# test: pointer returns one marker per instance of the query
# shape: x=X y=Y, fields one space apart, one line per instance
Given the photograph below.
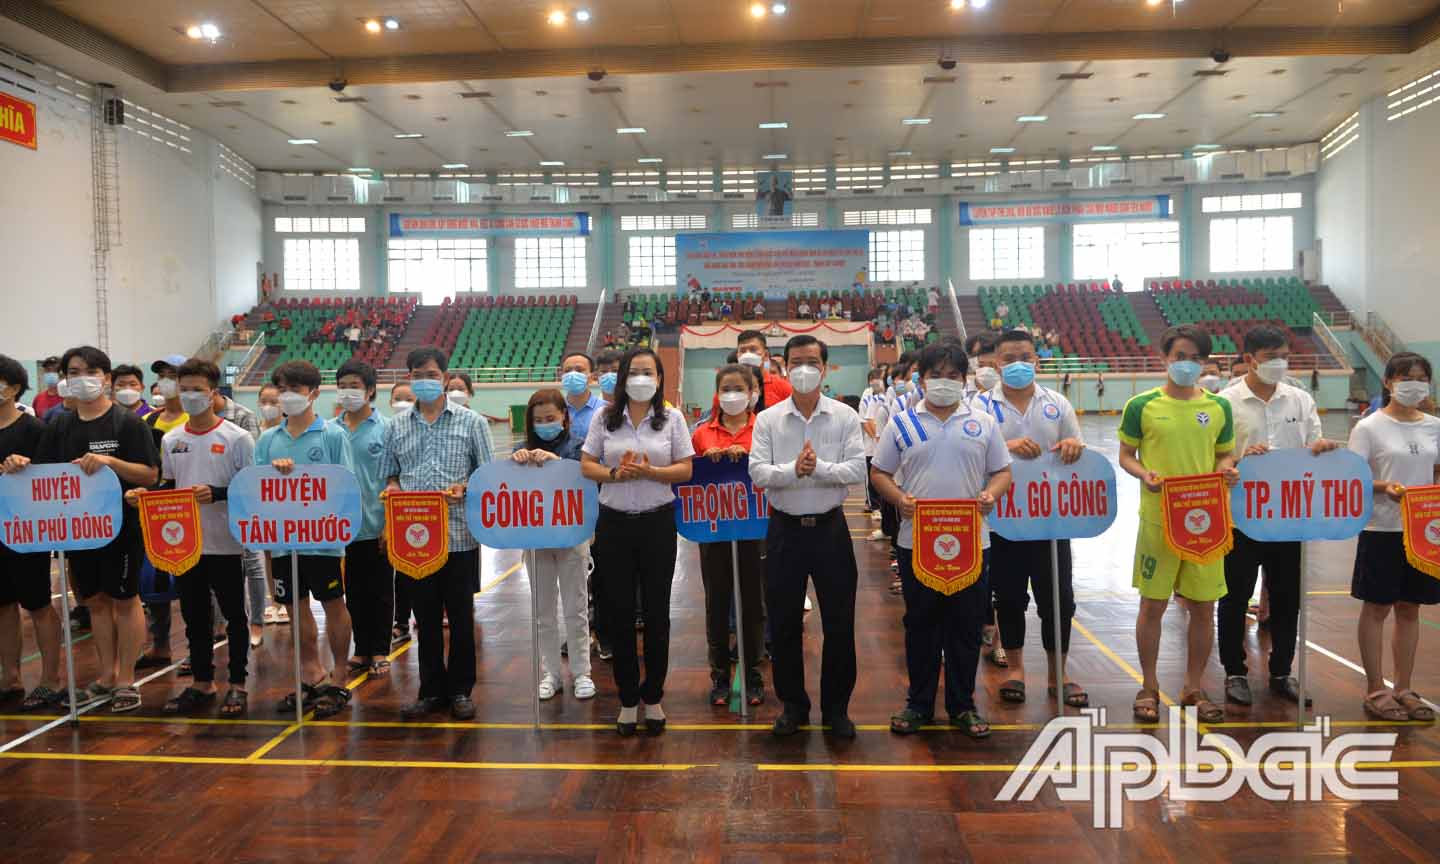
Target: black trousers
x=1016 y=565
x=160 y=623
x=942 y=631
x=222 y=576
x=1282 y=576
x=636 y=550
x=872 y=495
x=370 y=597
x=446 y=593
x=797 y=553
x=718 y=574
x=402 y=602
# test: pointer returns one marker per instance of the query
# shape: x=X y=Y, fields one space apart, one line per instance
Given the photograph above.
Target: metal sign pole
x=534 y=636
x=1303 y=646
x=69 y=642
x=295 y=601
x=743 y=670
x=1055 y=611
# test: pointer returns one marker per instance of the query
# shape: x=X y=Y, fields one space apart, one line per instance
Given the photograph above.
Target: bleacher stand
x=523 y=335
x=320 y=329
x=1228 y=308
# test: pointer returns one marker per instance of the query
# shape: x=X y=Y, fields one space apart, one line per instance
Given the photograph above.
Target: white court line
x=65 y=718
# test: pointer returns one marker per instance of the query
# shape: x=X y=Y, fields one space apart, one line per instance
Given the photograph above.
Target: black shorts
x=25 y=579
x=1383 y=575
x=113 y=569
x=320 y=575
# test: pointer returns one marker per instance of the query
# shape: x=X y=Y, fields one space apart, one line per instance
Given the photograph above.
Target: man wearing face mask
x=752 y=351
x=66 y=403
x=808 y=451
x=1034 y=420
x=99 y=433
x=576 y=370
x=980 y=348
x=49 y=395
x=304 y=439
x=130 y=390
x=1269 y=415
x=172 y=415
x=1211 y=380
x=607 y=367
x=875 y=390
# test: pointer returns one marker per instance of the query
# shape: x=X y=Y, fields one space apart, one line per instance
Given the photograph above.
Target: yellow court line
x=362 y=763
x=1116 y=659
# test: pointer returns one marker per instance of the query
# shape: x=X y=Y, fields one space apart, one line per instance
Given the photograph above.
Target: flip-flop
x=1147 y=707
x=1012 y=691
x=1205 y=710
x=970 y=723
x=1075 y=695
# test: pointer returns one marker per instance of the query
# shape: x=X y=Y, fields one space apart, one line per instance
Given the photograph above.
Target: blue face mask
x=607 y=383
x=50 y=379
x=548 y=431
x=915 y=378
x=427 y=389
x=1018 y=375
x=574 y=383
x=1185 y=373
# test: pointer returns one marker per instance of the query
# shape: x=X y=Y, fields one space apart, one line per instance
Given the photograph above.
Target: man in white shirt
x=874 y=393
x=1034 y=421
x=1269 y=415
x=808 y=451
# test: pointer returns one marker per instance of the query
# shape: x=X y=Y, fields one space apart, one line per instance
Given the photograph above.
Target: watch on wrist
x=612 y=472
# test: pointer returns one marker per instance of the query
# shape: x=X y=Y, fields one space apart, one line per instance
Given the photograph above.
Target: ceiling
x=698 y=118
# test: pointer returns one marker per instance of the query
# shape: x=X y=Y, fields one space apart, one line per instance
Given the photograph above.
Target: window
x=437 y=268
x=797 y=220
x=316 y=264
x=1007 y=253
x=897 y=256
x=1252 y=243
x=665 y=222
x=1134 y=251
x=1252 y=202
x=652 y=261
x=550 y=262
x=319 y=225
x=887 y=217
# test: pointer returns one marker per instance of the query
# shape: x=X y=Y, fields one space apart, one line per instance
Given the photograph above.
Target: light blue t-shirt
x=319 y=444
x=580 y=417
x=367 y=452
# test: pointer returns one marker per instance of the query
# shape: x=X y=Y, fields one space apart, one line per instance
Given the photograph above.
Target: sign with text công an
x=59 y=508
x=546 y=506
x=314 y=508
x=719 y=503
x=17 y=122
x=1049 y=500
x=1289 y=495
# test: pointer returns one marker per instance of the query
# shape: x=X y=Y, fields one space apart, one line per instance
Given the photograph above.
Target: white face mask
x=458 y=397
x=401 y=407
x=351 y=400
x=158 y=401
x=750 y=358
x=754 y=399
x=805 y=379
x=86 y=388
x=987 y=378
x=62 y=388
x=195 y=403
x=943 y=392
x=168 y=387
x=129 y=398
x=641 y=387
x=734 y=403
x=1410 y=393
x=1210 y=383
x=270 y=413
x=1273 y=371
x=294 y=404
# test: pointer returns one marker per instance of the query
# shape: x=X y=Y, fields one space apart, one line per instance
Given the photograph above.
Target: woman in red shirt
x=727 y=436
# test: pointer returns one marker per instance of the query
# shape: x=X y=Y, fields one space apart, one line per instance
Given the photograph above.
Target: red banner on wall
x=1196 y=514
x=1420 y=519
x=17 y=121
x=946 y=545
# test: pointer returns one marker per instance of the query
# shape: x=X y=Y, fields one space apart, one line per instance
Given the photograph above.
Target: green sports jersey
x=1176 y=437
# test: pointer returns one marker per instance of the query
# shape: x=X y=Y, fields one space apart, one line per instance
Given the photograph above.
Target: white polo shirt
x=833 y=431
x=665 y=446
x=1047 y=420
x=953 y=459
x=208 y=459
x=1289 y=420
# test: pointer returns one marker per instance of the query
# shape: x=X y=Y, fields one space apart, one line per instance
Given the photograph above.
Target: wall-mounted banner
x=417 y=530
x=59 y=508
x=774 y=263
x=720 y=504
x=1050 y=500
x=1065 y=210
x=774 y=196
x=312 y=509
x=946 y=552
x=1420 y=521
x=550 y=506
x=17 y=122
x=1195 y=512
x=1296 y=495
x=489 y=224
x=170 y=528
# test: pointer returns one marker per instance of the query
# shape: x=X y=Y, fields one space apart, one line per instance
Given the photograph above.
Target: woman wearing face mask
x=727 y=436
x=635 y=450
x=557 y=571
x=460 y=390
x=1402 y=445
x=268 y=401
x=402 y=398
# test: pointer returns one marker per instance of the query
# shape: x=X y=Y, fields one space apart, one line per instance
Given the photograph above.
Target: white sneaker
x=808 y=607
x=584 y=687
x=548 y=687
x=877 y=534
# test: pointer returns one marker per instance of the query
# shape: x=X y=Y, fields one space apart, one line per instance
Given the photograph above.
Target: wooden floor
x=365 y=786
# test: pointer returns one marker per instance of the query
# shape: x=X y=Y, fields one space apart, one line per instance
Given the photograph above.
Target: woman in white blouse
x=636 y=448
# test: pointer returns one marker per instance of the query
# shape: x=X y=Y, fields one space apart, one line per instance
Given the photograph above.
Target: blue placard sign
x=1053 y=501
x=513 y=506
x=1296 y=495
x=315 y=508
x=59 y=508
x=719 y=503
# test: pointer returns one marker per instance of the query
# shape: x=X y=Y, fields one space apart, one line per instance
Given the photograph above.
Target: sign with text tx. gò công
x=59 y=508
x=1049 y=500
x=314 y=508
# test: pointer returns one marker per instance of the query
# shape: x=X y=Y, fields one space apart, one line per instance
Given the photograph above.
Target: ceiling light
x=1152 y=115
x=407 y=135
x=1206 y=147
x=359 y=170
x=1153 y=2
x=779 y=8
x=649 y=160
x=775 y=156
x=916 y=121
x=1002 y=149
x=900 y=153
x=209 y=31
x=392 y=24
x=582 y=15
x=1105 y=148
x=1264 y=114
x=303 y=141
x=758 y=10
x=1031 y=118
x=630 y=130
x=519 y=133
x=557 y=18
x=775 y=125
x=979 y=4
x=551 y=163
x=373 y=26
x=957 y=5
x=454 y=166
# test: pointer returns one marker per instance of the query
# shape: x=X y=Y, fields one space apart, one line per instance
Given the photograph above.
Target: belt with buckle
x=807 y=521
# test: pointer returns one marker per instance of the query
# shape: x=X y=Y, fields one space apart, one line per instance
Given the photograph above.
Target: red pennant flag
x=1196 y=514
x=1420 y=518
x=170 y=526
x=417 y=532
x=945 y=544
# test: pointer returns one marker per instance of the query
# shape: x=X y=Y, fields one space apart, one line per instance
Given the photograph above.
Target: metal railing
x=1380 y=337
x=1153 y=364
x=955 y=308
x=595 y=327
x=1340 y=319
x=1327 y=336
x=489 y=375
x=252 y=356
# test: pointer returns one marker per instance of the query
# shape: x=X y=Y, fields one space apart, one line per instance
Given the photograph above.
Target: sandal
x=331 y=702
x=188 y=701
x=380 y=668
x=1414 y=706
x=42 y=697
x=1012 y=690
x=1382 y=706
x=972 y=724
x=997 y=657
x=1075 y=695
x=1207 y=711
x=357 y=666
x=756 y=692
x=287 y=705
x=236 y=702
x=125 y=699
x=908 y=722
x=719 y=695
x=96 y=692
x=1146 y=707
